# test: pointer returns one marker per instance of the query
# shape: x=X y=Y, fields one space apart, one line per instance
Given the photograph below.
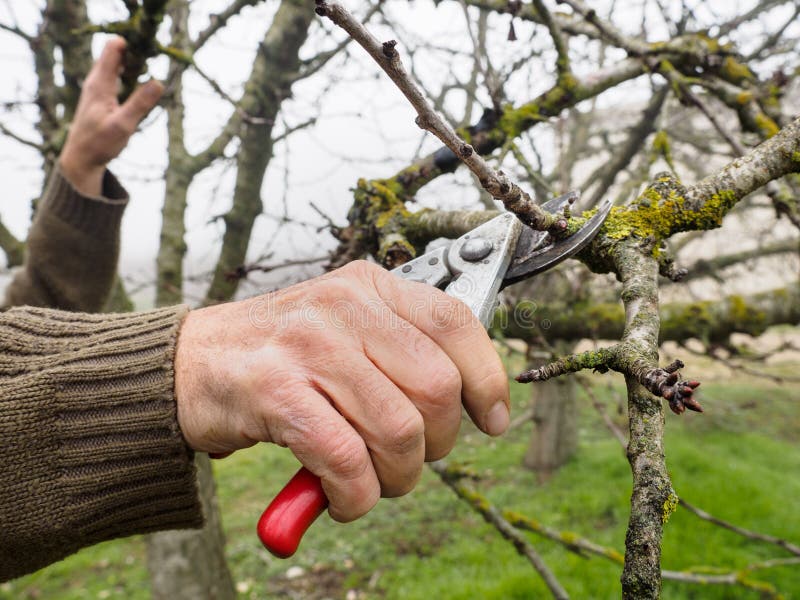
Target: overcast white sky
x=364 y=129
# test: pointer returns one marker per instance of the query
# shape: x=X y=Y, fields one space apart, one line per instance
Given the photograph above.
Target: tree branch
x=496 y=183
x=14 y=249
x=712 y=321
x=455 y=481
x=219 y=20
x=751 y=535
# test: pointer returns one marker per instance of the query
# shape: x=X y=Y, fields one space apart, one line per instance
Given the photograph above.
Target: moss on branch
x=139 y=31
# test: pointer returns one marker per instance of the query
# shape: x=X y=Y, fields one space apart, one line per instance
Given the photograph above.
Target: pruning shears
x=473 y=268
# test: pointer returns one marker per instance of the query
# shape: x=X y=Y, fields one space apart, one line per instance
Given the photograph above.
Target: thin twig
x=495 y=182
x=218 y=21
x=6 y=131
x=494 y=517
x=752 y=535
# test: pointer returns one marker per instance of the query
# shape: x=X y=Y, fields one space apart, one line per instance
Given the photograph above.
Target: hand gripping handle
x=302 y=500
x=291 y=513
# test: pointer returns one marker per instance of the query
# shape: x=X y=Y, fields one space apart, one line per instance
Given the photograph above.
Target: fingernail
x=497 y=419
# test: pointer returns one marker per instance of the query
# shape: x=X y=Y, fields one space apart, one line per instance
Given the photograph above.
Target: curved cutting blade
x=537 y=251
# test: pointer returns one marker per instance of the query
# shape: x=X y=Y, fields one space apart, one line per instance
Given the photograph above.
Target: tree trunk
x=187 y=564
x=554 y=437
x=270 y=83
x=190 y=564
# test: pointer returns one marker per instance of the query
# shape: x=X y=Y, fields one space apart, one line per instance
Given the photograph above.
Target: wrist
x=183 y=379
x=87 y=180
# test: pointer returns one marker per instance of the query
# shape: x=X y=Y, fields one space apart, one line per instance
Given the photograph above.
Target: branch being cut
x=495 y=182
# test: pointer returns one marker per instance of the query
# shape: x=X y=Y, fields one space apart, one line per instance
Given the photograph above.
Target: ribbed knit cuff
x=96 y=451
x=94 y=215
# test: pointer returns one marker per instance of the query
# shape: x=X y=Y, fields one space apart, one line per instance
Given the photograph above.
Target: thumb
x=140 y=102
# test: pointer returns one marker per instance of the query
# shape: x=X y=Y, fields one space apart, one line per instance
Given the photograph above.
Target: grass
x=739 y=461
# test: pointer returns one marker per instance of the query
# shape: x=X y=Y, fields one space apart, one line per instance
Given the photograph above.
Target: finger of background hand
x=329 y=447
x=451 y=324
x=140 y=102
x=424 y=373
x=104 y=73
x=391 y=426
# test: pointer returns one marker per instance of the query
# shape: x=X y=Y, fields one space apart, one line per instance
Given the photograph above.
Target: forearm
x=72 y=249
x=90 y=447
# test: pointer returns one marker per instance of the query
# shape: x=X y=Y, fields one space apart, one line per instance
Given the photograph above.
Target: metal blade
x=531 y=240
x=537 y=252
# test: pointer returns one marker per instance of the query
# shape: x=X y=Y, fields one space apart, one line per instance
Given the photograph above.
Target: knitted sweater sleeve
x=90 y=447
x=72 y=248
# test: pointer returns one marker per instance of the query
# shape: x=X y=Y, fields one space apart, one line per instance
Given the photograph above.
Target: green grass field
x=739 y=461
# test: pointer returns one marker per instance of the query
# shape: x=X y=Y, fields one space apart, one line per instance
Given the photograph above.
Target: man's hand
x=101 y=127
x=361 y=374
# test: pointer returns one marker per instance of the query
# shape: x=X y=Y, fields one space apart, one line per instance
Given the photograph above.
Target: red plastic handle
x=291 y=513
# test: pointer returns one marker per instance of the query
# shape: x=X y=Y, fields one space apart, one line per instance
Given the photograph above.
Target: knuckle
x=285 y=417
x=361 y=267
x=439 y=384
x=365 y=271
x=407 y=435
x=90 y=85
x=335 y=290
x=347 y=457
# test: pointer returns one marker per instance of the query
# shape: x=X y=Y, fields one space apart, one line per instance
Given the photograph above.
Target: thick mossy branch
x=711 y=322
x=381 y=225
x=378 y=221
x=667 y=207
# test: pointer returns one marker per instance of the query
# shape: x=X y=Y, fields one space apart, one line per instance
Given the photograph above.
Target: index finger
x=105 y=71
x=453 y=327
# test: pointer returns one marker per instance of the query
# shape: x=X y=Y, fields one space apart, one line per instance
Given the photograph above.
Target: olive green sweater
x=90 y=447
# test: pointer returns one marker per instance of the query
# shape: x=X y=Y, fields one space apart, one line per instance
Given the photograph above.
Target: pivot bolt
x=475 y=249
